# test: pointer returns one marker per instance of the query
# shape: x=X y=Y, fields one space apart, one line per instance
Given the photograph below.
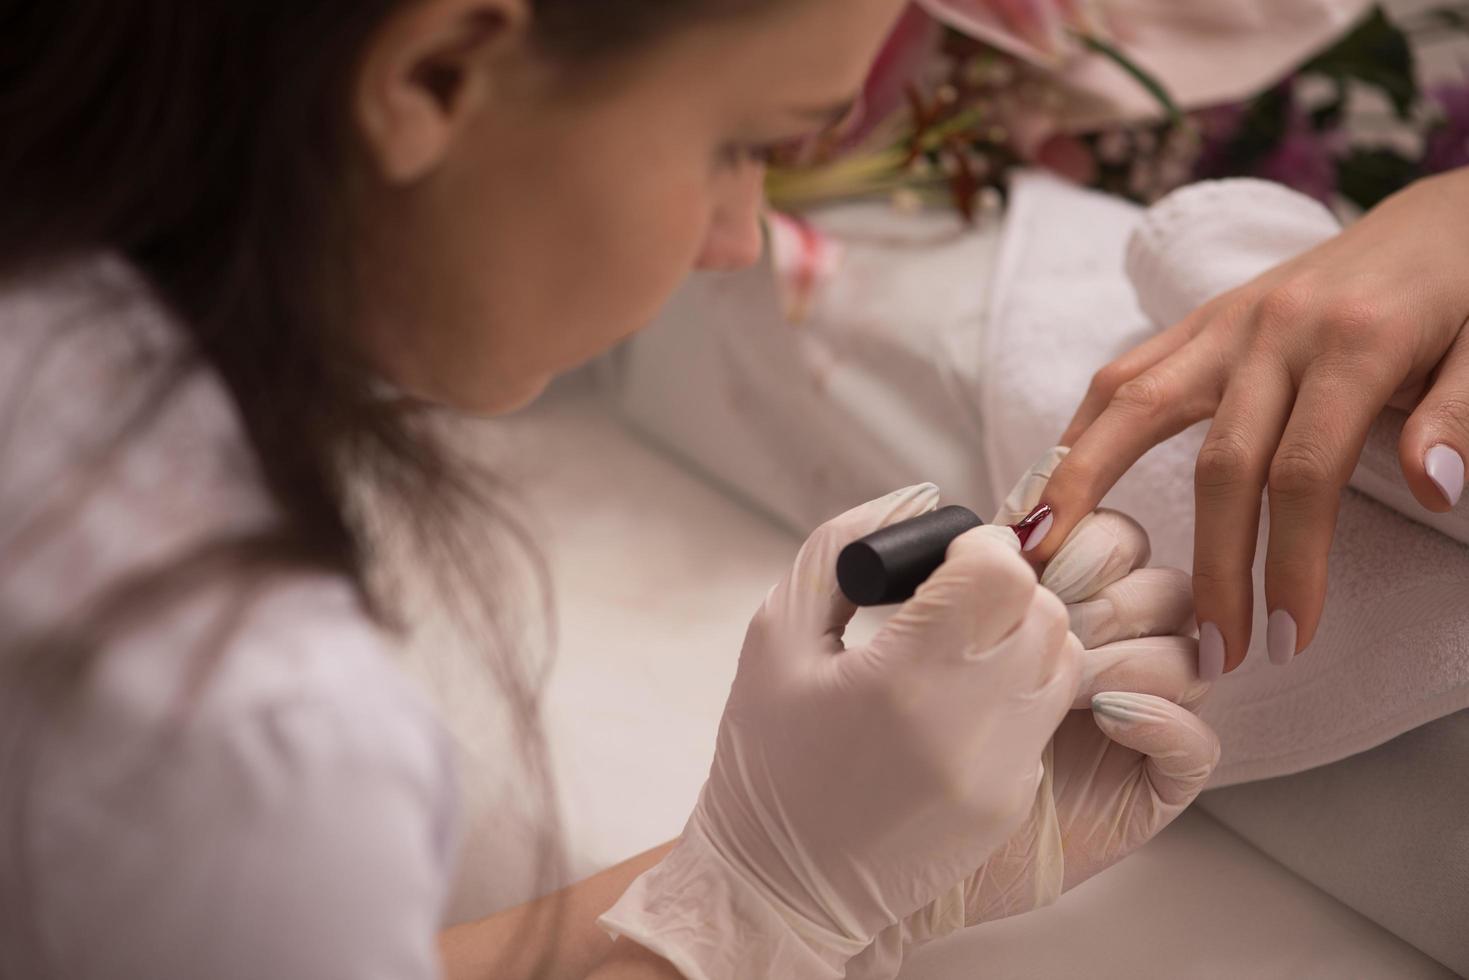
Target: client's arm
x=562 y=927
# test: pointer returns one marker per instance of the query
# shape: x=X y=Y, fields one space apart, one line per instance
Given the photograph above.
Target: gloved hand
x=1117 y=774
x=850 y=787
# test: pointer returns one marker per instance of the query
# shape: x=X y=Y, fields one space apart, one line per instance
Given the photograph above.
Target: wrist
x=712 y=920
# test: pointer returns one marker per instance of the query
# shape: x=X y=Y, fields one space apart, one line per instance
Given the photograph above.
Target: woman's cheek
x=686 y=224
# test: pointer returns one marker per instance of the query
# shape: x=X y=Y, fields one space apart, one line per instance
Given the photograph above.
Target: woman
x=242 y=251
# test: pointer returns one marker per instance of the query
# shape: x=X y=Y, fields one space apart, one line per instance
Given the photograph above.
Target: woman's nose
x=735 y=239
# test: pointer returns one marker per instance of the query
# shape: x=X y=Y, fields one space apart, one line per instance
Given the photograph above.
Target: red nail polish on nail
x=1028 y=527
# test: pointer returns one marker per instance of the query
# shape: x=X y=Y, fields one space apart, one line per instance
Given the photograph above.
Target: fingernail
x=1033 y=530
x=1280 y=637
x=1446 y=470
x=1113 y=704
x=1125 y=706
x=1211 y=653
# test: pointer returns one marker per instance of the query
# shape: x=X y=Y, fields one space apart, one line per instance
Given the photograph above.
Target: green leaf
x=1330 y=115
x=1150 y=82
x=1365 y=177
x=1440 y=18
x=1260 y=131
x=1375 y=53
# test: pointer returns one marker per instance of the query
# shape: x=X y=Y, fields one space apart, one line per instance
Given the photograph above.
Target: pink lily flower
x=1035 y=30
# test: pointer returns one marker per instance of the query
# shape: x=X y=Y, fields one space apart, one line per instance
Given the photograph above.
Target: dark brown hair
x=208 y=144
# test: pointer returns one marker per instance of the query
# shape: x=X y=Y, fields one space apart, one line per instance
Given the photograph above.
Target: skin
x=537 y=214
x=1293 y=368
x=521 y=217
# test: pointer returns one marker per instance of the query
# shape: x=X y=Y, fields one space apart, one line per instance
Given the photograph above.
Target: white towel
x=1392 y=652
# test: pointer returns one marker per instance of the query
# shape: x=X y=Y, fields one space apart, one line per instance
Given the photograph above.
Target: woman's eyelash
x=765 y=154
x=738 y=153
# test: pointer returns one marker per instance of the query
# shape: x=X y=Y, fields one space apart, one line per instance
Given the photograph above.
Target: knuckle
x=1107 y=380
x=1286 y=305
x=1363 y=330
x=1301 y=471
x=1224 y=463
x=1449 y=412
x=1146 y=394
x=1214 y=576
x=826 y=539
x=1356 y=318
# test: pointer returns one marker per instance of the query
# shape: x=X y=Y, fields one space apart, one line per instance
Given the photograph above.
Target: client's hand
x=1293 y=368
x=1116 y=774
x=852 y=786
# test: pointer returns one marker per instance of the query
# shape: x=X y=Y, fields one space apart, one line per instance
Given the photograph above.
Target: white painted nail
x=1446 y=469
x=1280 y=637
x=1039 y=534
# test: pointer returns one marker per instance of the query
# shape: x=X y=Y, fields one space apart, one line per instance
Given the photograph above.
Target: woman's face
x=555 y=209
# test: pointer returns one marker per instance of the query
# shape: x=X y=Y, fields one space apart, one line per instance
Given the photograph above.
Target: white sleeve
x=306 y=841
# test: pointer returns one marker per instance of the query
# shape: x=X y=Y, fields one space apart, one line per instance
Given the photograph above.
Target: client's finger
x=1181 y=750
x=1435 y=441
x=1148 y=602
x=1162 y=666
x=1147 y=410
x=1318 y=452
x=1229 y=479
x=1027 y=491
x=1105 y=382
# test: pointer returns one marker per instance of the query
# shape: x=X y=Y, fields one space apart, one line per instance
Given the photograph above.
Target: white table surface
x=657 y=573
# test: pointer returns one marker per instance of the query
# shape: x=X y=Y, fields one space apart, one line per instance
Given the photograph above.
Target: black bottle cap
x=889 y=565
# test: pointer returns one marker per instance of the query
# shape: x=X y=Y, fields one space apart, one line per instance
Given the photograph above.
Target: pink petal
x=898 y=64
x=1030 y=29
x=803 y=258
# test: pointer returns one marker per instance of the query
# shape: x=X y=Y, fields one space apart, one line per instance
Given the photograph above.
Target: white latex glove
x=1118 y=773
x=851 y=787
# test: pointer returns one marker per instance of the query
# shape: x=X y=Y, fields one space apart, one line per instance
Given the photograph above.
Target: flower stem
x=1143 y=77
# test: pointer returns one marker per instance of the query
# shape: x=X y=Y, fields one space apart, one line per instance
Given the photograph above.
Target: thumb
x=1181 y=749
x=808 y=600
x=980 y=595
x=1435 y=439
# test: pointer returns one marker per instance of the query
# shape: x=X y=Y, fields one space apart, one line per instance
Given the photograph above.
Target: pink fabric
x=1204 y=52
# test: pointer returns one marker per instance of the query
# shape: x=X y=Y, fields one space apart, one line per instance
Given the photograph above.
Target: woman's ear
x=428 y=67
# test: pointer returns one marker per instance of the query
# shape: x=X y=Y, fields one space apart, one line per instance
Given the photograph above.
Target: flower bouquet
x=1321 y=95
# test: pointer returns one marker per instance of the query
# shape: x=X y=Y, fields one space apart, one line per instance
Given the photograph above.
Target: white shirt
x=300 y=821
